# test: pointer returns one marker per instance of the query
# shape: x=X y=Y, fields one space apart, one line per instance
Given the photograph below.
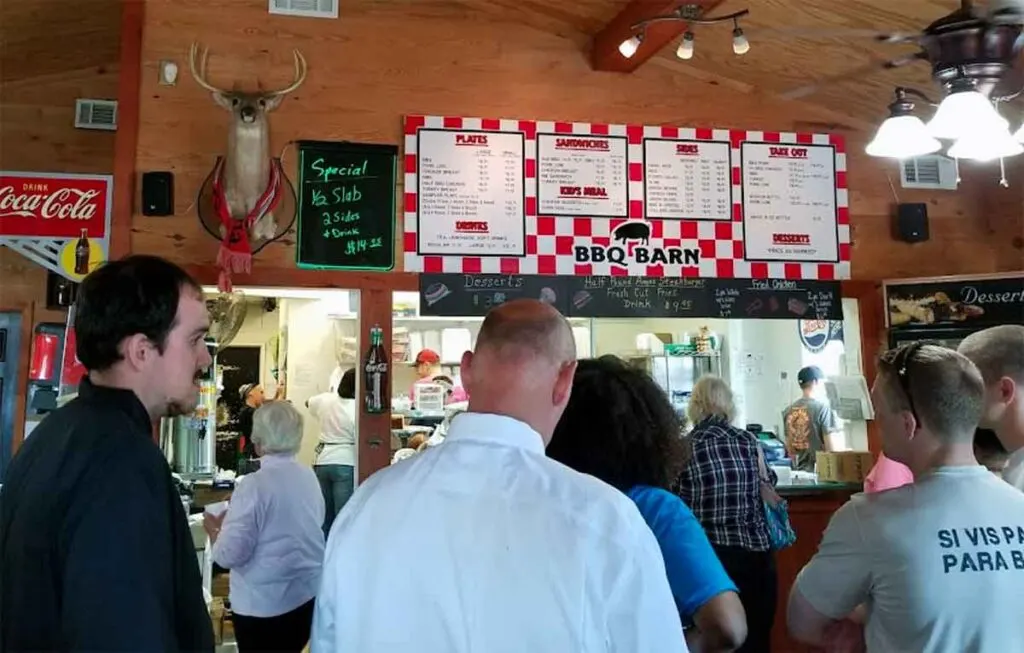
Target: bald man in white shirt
x=999 y=354
x=483 y=544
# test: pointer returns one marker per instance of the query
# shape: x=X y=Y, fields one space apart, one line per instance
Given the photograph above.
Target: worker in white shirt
x=271 y=538
x=515 y=552
x=999 y=354
x=335 y=459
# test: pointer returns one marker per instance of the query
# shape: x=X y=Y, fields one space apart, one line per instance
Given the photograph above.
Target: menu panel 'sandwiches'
x=955 y=302
x=474 y=295
x=687 y=180
x=471 y=199
x=582 y=175
x=789 y=202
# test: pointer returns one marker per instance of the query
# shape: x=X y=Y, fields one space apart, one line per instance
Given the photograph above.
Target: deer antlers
x=199 y=72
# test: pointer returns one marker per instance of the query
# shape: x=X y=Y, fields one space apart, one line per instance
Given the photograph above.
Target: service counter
x=811 y=506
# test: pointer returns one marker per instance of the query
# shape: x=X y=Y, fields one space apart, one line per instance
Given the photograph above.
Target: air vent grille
x=933 y=172
x=305 y=8
x=96 y=114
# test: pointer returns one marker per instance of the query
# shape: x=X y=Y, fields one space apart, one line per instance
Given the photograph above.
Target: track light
x=690 y=14
x=685 y=49
x=629 y=47
x=740 y=44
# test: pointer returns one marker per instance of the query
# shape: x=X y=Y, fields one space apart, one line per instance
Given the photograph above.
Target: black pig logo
x=633 y=230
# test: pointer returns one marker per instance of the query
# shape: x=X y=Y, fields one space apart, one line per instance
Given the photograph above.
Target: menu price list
x=689 y=180
x=471 y=193
x=472 y=295
x=789 y=202
x=582 y=175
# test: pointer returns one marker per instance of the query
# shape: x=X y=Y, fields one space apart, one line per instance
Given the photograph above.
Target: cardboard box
x=843 y=466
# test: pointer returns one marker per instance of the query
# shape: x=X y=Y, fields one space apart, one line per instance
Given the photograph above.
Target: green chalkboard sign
x=346 y=206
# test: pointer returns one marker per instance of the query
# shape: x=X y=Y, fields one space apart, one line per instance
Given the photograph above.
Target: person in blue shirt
x=620 y=427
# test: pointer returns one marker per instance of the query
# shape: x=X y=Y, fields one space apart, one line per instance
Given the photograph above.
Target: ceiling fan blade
x=812 y=88
x=813 y=33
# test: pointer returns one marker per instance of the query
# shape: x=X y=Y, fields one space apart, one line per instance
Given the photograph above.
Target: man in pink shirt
x=886 y=475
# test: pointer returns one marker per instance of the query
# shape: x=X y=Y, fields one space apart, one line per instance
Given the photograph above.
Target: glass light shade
x=964 y=111
x=629 y=47
x=986 y=145
x=740 y=44
x=685 y=49
x=902 y=137
x=1019 y=136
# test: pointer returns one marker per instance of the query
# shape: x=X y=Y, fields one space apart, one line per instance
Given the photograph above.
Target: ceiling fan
x=983 y=47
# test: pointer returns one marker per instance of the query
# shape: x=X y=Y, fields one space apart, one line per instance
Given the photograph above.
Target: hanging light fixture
x=629 y=47
x=691 y=14
x=1019 y=136
x=903 y=135
x=740 y=44
x=986 y=144
x=685 y=49
x=964 y=109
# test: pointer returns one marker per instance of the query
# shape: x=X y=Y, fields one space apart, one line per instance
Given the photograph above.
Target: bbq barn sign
x=60 y=221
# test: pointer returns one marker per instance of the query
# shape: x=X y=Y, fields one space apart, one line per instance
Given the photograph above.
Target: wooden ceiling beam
x=604 y=51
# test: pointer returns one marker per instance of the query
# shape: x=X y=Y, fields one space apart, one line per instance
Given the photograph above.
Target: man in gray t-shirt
x=808 y=421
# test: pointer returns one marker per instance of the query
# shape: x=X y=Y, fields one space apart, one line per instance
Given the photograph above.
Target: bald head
x=523 y=364
x=998 y=352
x=999 y=355
x=526 y=328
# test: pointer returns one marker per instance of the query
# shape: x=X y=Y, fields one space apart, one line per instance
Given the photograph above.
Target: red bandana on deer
x=235 y=253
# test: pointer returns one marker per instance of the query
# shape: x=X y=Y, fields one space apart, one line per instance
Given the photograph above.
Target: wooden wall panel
x=382 y=60
x=51 y=55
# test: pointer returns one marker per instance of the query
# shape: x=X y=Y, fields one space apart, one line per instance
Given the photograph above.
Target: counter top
x=805 y=489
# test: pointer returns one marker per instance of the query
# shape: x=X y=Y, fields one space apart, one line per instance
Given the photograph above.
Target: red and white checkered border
x=550 y=240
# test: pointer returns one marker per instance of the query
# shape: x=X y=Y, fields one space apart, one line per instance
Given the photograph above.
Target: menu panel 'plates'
x=789 y=202
x=471 y=193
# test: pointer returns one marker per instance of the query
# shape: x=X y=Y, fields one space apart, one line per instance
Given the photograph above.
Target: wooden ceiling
x=793 y=43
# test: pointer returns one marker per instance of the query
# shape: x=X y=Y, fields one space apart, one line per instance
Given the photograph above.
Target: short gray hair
x=998 y=352
x=711 y=397
x=277 y=428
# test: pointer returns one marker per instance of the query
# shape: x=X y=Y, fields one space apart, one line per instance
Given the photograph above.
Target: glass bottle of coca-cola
x=376 y=373
x=82 y=253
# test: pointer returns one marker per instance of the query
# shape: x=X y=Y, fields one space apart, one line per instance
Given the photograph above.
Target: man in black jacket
x=95 y=550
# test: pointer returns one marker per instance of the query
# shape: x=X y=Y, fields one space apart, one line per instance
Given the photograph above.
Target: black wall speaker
x=911 y=223
x=157 y=193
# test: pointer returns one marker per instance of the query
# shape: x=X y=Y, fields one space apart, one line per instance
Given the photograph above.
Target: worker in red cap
x=428 y=365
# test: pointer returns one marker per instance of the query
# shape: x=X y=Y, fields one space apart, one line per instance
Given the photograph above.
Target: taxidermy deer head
x=247 y=161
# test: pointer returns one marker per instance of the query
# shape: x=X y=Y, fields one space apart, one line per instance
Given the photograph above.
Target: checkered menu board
x=552 y=198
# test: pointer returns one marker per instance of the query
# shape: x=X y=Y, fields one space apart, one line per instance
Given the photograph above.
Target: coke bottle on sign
x=82 y=254
x=376 y=373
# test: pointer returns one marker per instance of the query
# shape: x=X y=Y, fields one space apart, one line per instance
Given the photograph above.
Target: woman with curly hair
x=620 y=427
x=722 y=485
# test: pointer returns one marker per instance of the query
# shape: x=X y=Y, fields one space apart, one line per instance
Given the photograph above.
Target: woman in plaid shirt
x=722 y=486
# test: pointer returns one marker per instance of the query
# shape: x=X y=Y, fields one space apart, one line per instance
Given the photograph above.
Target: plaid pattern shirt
x=721 y=484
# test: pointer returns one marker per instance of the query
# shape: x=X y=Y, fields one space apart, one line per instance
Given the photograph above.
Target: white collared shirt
x=485 y=545
x=272 y=539
x=337 y=418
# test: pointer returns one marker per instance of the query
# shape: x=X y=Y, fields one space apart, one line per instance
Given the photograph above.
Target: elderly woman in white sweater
x=271 y=538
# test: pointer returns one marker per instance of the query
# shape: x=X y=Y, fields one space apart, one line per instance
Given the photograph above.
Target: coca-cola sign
x=34 y=205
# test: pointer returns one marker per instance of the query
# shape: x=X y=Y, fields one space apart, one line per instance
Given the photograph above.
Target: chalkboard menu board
x=346 y=206
x=474 y=295
x=460 y=295
x=974 y=303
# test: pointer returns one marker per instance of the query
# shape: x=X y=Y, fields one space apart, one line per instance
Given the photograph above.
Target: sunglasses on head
x=899 y=360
